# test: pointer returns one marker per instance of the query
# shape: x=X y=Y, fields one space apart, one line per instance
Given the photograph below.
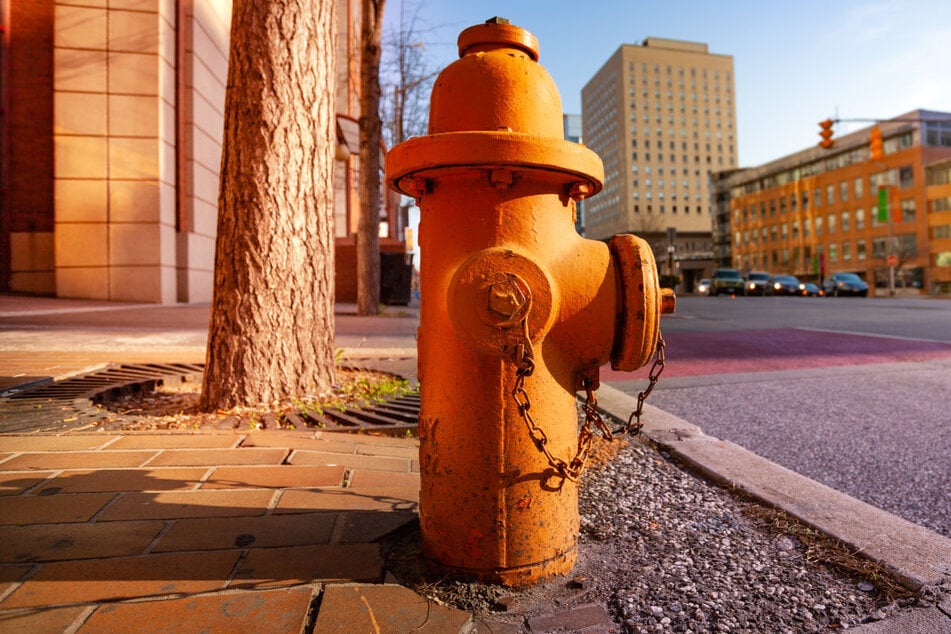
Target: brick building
x=817 y=212
x=112 y=116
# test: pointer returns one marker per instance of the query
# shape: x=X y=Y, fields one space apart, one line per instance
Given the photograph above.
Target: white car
x=703 y=287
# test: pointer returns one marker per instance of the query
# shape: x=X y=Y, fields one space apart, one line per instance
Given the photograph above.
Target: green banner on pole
x=883 y=204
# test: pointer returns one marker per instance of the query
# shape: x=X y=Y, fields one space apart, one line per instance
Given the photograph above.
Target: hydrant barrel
x=517 y=311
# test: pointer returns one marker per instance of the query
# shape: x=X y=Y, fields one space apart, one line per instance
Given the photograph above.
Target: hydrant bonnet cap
x=497 y=33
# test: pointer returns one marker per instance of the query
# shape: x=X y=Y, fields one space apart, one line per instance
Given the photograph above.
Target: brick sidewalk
x=206 y=532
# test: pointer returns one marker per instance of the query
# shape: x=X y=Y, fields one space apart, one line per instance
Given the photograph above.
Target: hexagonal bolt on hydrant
x=518 y=312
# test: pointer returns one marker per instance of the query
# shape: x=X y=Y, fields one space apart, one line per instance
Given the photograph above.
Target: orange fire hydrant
x=518 y=311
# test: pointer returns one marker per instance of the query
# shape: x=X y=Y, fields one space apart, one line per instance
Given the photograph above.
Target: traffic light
x=826 y=133
x=876 y=152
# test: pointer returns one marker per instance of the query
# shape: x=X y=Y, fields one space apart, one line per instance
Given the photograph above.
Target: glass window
x=843 y=191
x=845 y=221
x=858 y=188
x=817 y=197
x=860 y=219
x=908 y=210
x=846 y=250
x=831 y=223
x=909 y=242
x=833 y=252
x=860 y=249
x=878 y=248
x=830 y=194
x=906 y=177
x=819 y=226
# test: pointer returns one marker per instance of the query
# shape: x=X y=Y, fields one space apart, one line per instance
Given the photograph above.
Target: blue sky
x=795 y=63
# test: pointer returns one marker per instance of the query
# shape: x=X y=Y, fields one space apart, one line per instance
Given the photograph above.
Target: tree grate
x=39 y=405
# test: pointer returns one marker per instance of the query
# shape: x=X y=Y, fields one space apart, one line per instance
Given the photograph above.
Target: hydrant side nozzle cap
x=498 y=32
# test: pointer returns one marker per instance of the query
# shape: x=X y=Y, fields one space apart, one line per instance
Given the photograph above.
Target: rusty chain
x=525 y=367
x=660 y=359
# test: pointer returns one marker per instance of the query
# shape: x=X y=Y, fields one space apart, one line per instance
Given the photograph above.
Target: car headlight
x=802 y=287
x=777 y=286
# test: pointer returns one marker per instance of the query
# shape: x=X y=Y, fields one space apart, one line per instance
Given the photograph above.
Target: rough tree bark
x=272 y=325
x=371 y=129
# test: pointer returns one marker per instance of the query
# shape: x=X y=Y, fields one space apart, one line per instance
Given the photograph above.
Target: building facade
x=112 y=122
x=662 y=116
x=818 y=211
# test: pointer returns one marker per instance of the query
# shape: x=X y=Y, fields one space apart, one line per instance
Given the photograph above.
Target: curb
x=916 y=556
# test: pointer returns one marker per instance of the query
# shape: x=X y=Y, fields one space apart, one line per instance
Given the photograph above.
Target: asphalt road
x=852 y=392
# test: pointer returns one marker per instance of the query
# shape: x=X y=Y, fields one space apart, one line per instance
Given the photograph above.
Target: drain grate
x=76 y=403
x=72 y=403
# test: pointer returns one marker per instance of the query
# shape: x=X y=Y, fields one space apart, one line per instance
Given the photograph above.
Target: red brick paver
x=282 y=610
x=268 y=567
x=177 y=441
x=42 y=620
x=272 y=477
x=17 y=482
x=78 y=460
x=350 y=460
x=50 y=509
x=245 y=455
x=54 y=443
x=384 y=608
x=70 y=582
x=54 y=542
x=89 y=481
x=248 y=532
x=177 y=504
x=350 y=499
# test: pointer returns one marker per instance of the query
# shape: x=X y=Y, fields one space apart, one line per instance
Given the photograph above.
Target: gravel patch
x=664 y=551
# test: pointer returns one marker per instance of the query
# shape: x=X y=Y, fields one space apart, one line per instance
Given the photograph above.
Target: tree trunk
x=271 y=336
x=371 y=128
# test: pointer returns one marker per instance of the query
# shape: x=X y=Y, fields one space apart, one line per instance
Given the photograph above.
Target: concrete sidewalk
x=279 y=531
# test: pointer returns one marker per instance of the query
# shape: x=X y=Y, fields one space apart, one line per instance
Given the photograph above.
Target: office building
x=823 y=211
x=662 y=116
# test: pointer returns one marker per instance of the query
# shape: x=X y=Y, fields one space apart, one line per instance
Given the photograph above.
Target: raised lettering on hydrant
x=517 y=311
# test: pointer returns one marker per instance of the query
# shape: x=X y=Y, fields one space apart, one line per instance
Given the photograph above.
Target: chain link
x=525 y=367
x=634 y=424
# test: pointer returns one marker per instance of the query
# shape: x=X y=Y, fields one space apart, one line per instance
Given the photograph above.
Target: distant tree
x=371 y=194
x=407 y=77
x=272 y=325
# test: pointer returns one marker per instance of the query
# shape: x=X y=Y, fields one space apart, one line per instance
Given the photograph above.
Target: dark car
x=727 y=281
x=808 y=289
x=757 y=283
x=845 y=284
x=785 y=285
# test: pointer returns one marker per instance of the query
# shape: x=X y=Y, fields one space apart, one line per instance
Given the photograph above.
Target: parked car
x=845 y=284
x=785 y=285
x=808 y=289
x=703 y=286
x=757 y=283
x=727 y=281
